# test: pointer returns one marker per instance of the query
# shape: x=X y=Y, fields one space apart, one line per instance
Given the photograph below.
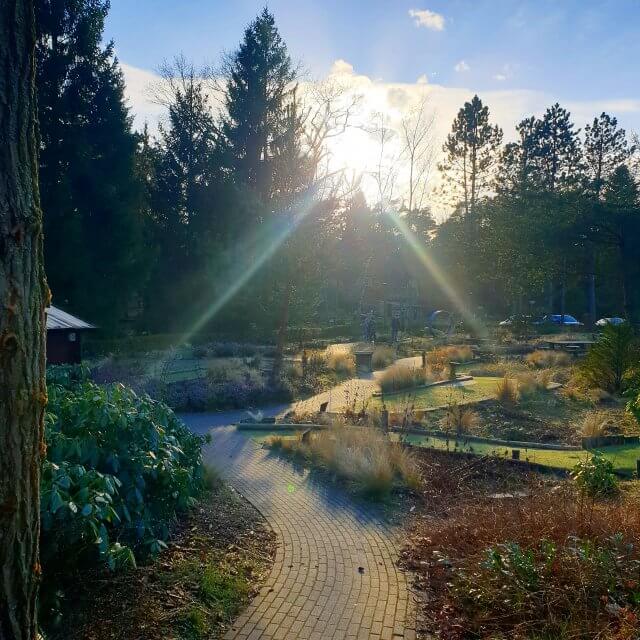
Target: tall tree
x=22 y=326
x=260 y=78
x=557 y=150
x=417 y=132
x=621 y=229
x=605 y=149
x=91 y=192
x=471 y=154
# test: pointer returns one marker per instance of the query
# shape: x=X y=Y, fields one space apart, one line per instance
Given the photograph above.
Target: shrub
x=595 y=477
x=399 y=377
x=119 y=467
x=612 y=360
x=383 y=356
x=507 y=392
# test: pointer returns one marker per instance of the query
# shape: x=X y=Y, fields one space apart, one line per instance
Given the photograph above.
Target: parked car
x=603 y=322
x=516 y=319
x=557 y=318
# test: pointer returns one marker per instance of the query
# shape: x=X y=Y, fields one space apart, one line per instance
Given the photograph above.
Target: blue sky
x=572 y=49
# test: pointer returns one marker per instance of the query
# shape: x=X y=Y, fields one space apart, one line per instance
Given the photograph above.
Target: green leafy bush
x=119 y=469
x=596 y=477
x=613 y=360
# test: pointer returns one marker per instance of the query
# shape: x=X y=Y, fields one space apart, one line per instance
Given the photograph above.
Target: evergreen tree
x=621 y=229
x=259 y=86
x=557 y=153
x=471 y=154
x=91 y=194
x=605 y=149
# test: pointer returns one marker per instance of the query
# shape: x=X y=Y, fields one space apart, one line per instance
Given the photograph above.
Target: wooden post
x=515 y=454
x=638 y=468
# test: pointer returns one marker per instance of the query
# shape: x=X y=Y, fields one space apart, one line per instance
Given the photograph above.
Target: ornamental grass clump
x=507 y=392
x=340 y=361
x=362 y=455
x=382 y=357
x=459 y=420
x=400 y=377
x=544 y=359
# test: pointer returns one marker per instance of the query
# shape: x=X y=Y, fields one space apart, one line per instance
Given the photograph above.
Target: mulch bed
x=153 y=601
x=451 y=481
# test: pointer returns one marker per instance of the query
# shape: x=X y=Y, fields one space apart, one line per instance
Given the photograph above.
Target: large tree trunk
x=22 y=326
x=591 y=286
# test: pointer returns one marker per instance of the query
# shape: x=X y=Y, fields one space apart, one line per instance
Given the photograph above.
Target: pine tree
x=605 y=149
x=91 y=194
x=471 y=154
x=557 y=155
x=260 y=85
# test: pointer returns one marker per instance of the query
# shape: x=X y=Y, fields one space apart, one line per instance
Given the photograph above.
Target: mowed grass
x=441 y=395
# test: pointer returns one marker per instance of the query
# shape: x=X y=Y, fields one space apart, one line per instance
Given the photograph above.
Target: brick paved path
x=334 y=575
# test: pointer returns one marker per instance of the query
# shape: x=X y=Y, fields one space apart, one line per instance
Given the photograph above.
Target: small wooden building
x=64 y=336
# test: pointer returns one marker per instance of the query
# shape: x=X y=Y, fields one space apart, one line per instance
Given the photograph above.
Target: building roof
x=59 y=319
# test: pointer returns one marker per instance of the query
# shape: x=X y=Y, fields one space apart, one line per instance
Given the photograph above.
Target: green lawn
x=623 y=457
x=461 y=393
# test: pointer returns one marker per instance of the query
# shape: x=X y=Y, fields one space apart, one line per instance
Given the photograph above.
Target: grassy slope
x=477 y=389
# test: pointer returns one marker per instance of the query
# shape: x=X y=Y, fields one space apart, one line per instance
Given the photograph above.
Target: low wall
x=608 y=441
x=518 y=444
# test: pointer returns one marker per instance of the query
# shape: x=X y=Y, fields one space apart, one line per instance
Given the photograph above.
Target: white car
x=603 y=322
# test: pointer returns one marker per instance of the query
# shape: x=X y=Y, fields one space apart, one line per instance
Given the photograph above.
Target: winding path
x=334 y=575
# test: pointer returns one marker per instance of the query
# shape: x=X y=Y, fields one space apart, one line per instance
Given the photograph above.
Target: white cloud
x=138 y=82
x=427 y=19
x=500 y=77
x=341 y=67
x=423 y=79
x=462 y=67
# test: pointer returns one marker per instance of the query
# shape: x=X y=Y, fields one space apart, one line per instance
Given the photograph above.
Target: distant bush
x=382 y=357
x=613 y=360
x=119 y=469
x=595 y=477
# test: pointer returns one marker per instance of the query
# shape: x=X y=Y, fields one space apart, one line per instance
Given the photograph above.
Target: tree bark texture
x=23 y=293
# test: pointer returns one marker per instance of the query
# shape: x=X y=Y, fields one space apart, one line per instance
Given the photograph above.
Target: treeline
x=193 y=226
x=549 y=222
x=231 y=219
